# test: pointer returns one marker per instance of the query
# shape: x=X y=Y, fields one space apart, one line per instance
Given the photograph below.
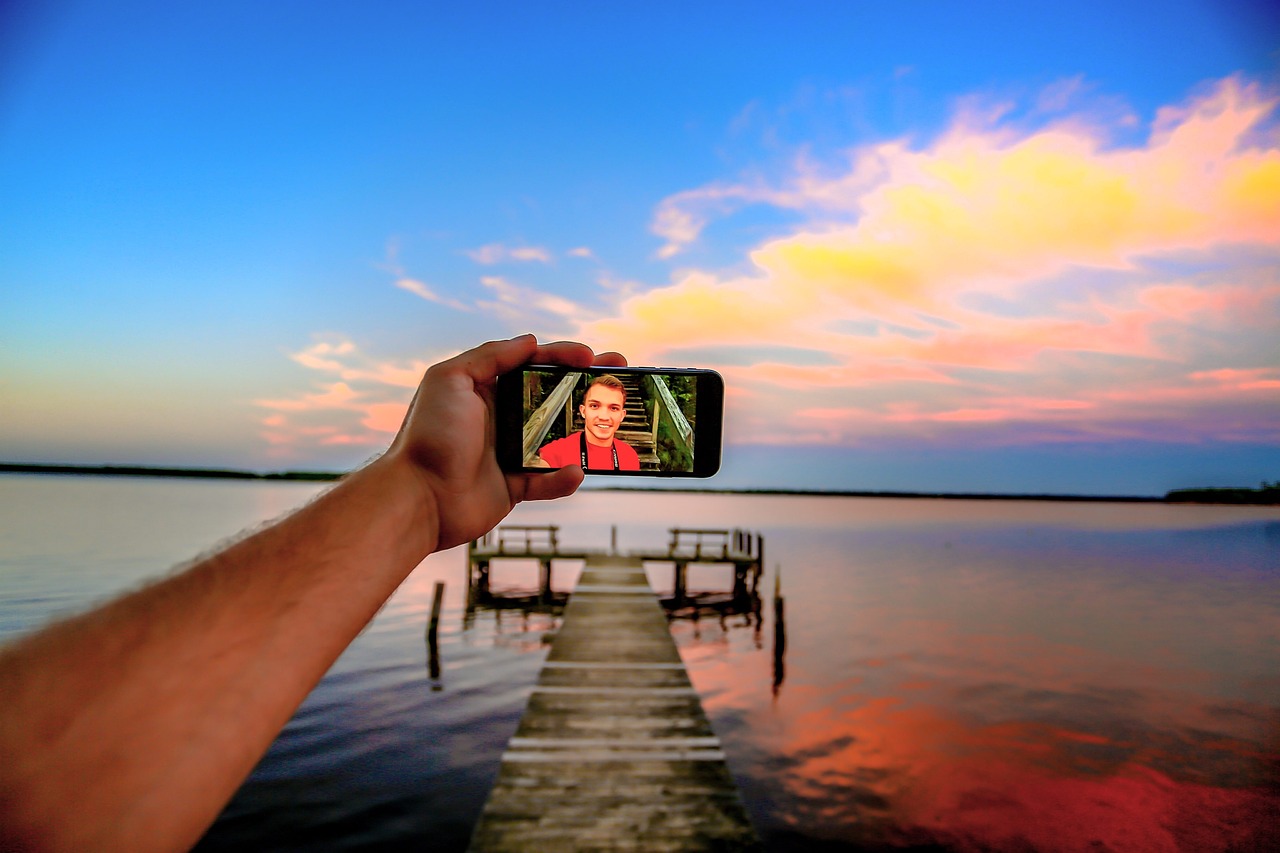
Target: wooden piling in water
x=779 y=632
x=436 y=599
x=433 y=626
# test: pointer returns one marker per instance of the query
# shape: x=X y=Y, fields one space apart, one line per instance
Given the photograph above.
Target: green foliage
x=684 y=389
x=538 y=385
x=672 y=457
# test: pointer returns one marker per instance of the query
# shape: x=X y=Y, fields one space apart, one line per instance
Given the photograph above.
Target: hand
x=448 y=435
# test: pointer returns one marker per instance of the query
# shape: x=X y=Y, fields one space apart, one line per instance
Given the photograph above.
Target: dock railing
x=539 y=423
x=742 y=549
x=703 y=543
x=682 y=539
x=666 y=410
x=514 y=540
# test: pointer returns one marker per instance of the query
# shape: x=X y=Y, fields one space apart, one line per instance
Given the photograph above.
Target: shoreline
x=149 y=471
x=905 y=495
x=1208 y=496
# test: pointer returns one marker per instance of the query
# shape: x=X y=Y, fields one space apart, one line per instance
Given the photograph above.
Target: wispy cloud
x=415 y=286
x=1005 y=283
x=520 y=304
x=357 y=400
x=1040 y=279
x=421 y=289
x=497 y=253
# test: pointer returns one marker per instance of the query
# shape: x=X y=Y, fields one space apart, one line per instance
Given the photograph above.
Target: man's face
x=602 y=413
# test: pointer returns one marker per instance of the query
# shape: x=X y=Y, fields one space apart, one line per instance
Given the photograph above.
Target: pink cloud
x=384 y=417
x=1256 y=379
x=998 y=278
x=359 y=402
x=997 y=283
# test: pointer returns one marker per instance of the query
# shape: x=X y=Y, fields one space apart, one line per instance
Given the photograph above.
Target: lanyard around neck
x=612 y=446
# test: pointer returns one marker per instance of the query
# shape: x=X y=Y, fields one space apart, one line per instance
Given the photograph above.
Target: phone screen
x=633 y=421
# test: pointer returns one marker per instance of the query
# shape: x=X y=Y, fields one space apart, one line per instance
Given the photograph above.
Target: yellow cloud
x=1251 y=190
x=698 y=309
x=981 y=209
x=995 y=277
x=1022 y=254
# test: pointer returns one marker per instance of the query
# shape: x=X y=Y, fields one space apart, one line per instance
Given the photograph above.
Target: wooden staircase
x=637 y=427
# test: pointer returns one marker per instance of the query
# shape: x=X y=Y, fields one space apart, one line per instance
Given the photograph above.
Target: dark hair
x=608 y=380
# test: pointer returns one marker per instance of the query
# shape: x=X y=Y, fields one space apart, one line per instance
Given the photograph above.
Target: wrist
x=407 y=499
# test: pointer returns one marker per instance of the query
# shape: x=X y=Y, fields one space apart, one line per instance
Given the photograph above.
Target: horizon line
x=1227 y=495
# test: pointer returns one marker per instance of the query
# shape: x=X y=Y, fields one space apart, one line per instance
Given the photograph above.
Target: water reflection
x=1022 y=691
x=985 y=676
x=779 y=639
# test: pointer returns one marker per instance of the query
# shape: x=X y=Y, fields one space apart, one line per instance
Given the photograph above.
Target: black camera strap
x=613 y=445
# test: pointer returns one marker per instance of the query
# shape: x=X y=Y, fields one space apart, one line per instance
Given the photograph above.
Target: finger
x=610 y=359
x=488 y=360
x=558 y=484
x=567 y=353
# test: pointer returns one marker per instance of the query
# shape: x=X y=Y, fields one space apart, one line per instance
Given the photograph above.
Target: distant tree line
x=147 y=471
x=1266 y=494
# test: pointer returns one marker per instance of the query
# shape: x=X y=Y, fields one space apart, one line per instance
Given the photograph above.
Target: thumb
x=556 y=484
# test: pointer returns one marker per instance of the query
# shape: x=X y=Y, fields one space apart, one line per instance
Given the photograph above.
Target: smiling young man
x=596 y=447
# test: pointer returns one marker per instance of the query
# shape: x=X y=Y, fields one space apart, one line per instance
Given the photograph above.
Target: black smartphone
x=626 y=421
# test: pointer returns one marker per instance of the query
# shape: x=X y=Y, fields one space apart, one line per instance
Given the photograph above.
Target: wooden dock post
x=544 y=580
x=614 y=750
x=760 y=551
x=779 y=632
x=433 y=625
x=436 y=599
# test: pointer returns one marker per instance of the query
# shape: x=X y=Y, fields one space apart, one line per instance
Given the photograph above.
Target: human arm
x=130 y=726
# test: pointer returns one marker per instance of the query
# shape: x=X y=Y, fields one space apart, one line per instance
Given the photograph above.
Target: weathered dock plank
x=614 y=751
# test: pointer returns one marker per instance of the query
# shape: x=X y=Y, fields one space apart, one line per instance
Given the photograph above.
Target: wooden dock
x=742 y=550
x=614 y=751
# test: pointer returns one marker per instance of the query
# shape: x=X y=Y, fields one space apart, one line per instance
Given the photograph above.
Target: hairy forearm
x=154 y=708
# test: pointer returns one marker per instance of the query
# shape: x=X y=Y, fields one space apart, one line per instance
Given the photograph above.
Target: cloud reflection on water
x=972 y=675
x=1048 y=684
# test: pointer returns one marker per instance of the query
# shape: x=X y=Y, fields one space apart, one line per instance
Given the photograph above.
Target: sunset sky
x=930 y=245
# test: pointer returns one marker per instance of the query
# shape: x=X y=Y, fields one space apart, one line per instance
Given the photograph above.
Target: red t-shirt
x=568 y=451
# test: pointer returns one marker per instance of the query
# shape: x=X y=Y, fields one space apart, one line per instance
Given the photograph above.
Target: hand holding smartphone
x=624 y=421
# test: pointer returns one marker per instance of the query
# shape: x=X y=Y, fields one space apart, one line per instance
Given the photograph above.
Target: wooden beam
x=539 y=423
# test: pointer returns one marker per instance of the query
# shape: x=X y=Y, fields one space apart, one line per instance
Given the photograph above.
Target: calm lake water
x=957 y=675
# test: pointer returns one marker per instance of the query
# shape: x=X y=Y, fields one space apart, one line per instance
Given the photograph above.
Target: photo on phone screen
x=627 y=421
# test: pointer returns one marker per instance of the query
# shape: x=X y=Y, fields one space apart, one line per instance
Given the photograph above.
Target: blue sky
x=1036 y=247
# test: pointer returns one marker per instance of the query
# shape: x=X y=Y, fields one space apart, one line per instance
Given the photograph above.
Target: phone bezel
x=707 y=431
